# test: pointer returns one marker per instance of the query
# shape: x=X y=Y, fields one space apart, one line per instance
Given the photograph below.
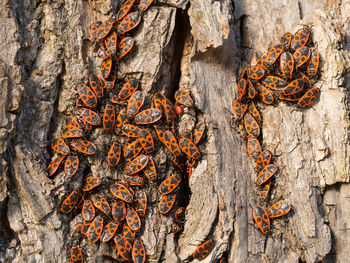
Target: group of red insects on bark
x=116 y=105
x=285 y=72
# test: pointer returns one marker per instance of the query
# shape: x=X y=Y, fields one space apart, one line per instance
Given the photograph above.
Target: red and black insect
x=184 y=98
x=84 y=146
x=124 y=47
x=286 y=39
x=121 y=120
x=114 y=154
x=81 y=224
x=144 y=4
x=309 y=97
x=69 y=202
x=169 y=184
x=128 y=88
x=89 y=116
x=189 y=148
x=146 y=140
x=171 y=143
x=137 y=164
x=101 y=204
x=121 y=192
x=251 y=92
x=301 y=55
x=71 y=131
x=59 y=145
x=252 y=109
x=278 y=209
x=87 y=95
x=105 y=28
x=110 y=81
x=198 y=132
x=264 y=190
x=295 y=86
x=93 y=30
x=106 y=67
x=133 y=219
x=76 y=255
x=129 y=22
x=274 y=53
x=241 y=89
x=262 y=219
x=141 y=205
x=88 y=211
x=266 y=173
x=96 y=85
x=128 y=233
x=119 y=210
x=108 y=117
x=274 y=82
x=131 y=131
x=295 y=97
x=179 y=110
x=124 y=9
x=300 y=38
x=123 y=246
x=251 y=125
x=54 y=164
x=204 y=249
x=90 y=183
x=138 y=252
x=148 y=116
x=263 y=62
x=257 y=56
x=239 y=108
x=102 y=52
x=111 y=43
x=263 y=160
x=109 y=231
x=265 y=94
x=95 y=229
x=160 y=129
x=253 y=147
x=157 y=100
x=314 y=61
x=150 y=169
x=131 y=150
x=166 y=203
x=71 y=165
x=135 y=103
x=255 y=72
x=167 y=107
x=287 y=64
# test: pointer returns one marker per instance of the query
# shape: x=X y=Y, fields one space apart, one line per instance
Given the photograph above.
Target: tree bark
x=200 y=46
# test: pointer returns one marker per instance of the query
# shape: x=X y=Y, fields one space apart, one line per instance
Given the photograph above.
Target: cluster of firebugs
x=285 y=73
x=124 y=114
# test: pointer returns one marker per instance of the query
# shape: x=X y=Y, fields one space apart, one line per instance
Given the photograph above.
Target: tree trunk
x=200 y=46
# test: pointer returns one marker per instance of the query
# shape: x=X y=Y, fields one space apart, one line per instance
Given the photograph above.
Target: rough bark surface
x=200 y=46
